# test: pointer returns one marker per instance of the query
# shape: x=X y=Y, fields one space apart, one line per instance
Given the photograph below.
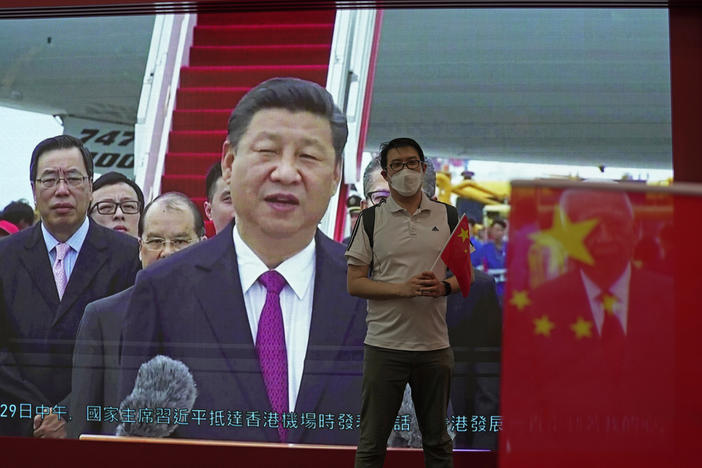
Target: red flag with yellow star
x=456 y=255
x=589 y=342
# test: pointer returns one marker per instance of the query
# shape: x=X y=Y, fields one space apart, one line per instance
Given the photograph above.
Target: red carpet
x=256 y=34
x=247 y=75
x=312 y=54
x=231 y=53
x=269 y=17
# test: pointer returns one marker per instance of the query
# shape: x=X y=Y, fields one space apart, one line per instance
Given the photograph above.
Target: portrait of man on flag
x=588 y=352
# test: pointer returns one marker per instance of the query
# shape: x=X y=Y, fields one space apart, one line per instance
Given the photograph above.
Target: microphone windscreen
x=162 y=387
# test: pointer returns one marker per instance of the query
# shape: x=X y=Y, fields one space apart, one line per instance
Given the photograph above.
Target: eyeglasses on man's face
x=51 y=179
x=397 y=165
x=378 y=196
x=110 y=207
x=156 y=244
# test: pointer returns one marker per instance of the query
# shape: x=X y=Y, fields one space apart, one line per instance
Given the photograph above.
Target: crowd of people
x=259 y=313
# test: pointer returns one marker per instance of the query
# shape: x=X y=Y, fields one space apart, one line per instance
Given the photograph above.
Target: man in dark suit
x=600 y=339
x=50 y=272
x=475 y=333
x=170 y=223
x=260 y=313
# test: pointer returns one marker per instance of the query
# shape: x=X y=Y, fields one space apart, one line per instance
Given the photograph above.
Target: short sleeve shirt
x=404 y=245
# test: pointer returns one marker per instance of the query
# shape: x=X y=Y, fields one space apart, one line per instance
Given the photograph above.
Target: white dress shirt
x=75 y=241
x=295 y=302
x=620 y=289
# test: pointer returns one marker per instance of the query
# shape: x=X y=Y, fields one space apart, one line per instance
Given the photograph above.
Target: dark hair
x=17 y=211
x=353 y=200
x=175 y=201
x=213 y=175
x=60 y=142
x=428 y=184
x=112 y=178
x=398 y=143
x=294 y=95
x=499 y=221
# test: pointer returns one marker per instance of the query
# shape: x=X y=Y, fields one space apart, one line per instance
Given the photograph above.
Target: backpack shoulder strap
x=452 y=216
x=368 y=216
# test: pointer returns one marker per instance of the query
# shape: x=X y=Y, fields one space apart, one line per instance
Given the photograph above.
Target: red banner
x=590 y=369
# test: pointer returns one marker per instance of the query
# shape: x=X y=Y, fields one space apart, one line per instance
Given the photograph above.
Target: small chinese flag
x=456 y=255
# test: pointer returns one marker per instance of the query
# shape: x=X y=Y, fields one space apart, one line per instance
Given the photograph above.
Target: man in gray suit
x=170 y=223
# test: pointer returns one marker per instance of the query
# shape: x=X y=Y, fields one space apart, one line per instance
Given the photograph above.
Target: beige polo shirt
x=404 y=245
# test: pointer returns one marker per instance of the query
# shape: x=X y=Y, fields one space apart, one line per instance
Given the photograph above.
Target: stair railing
x=170 y=41
x=347 y=79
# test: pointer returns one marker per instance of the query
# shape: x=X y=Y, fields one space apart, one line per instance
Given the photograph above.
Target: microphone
x=160 y=383
x=413 y=437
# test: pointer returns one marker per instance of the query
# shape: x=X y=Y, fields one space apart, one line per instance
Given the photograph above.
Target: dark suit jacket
x=475 y=334
x=191 y=307
x=37 y=331
x=579 y=387
x=95 y=379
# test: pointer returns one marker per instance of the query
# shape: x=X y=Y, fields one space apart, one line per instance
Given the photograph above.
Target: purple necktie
x=59 y=270
x=270 y=346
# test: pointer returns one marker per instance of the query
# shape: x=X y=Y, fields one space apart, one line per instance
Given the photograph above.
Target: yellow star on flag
x=609 y=302
x=582 y=328
x=543 y=326
x=566 y=236
x=464 y=234
x=520 y=299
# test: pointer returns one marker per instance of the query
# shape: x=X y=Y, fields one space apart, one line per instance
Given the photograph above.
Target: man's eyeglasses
x=398 y=165
x=51 y=179
x=110 y=207
x=157 y=244
x=378 y=196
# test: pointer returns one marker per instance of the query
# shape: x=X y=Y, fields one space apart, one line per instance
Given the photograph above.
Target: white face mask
x=406 y=182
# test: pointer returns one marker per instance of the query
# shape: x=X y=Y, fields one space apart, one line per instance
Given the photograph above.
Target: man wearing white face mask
x=407 y=339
